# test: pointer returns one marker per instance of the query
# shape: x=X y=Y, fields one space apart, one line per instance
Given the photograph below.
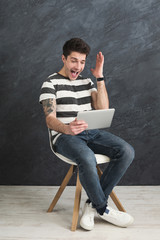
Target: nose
x=78 y=65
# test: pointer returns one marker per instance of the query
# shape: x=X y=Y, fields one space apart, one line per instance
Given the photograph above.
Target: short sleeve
x=93 y=88
x=47 y=91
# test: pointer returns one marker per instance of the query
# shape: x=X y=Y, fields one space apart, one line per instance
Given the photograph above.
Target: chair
x=100 y=159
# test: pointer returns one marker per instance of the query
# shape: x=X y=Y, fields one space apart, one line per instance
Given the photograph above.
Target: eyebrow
x=77 y=59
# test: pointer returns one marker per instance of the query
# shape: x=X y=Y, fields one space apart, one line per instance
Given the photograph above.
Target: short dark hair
x=75 y=45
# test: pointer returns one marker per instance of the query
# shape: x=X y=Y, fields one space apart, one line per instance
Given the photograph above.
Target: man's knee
x=87 y=162
x=128 y=152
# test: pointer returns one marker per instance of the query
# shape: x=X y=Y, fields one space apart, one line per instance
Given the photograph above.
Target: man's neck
x=62 y=72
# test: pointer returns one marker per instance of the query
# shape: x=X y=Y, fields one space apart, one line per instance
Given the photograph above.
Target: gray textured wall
x=32 y=34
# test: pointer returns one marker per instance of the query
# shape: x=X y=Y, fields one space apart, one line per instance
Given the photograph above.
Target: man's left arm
x=100 y=97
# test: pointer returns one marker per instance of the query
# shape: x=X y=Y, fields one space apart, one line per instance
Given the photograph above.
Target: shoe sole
x=123 y=226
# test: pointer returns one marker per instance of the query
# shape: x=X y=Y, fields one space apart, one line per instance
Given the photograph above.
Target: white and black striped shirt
x=71 y=96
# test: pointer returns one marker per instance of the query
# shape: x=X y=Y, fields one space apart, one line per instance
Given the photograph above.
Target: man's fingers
x=77 y=131
x=100 y=56
x=78 y=122
x=81 y=122
x=77 y=126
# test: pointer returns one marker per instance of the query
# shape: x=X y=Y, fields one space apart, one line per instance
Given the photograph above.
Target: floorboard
x=23 y=214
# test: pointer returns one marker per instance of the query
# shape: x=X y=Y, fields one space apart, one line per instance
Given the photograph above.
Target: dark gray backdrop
x=32 y=35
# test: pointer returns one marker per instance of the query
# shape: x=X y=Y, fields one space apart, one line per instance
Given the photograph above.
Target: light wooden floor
x=23 y=214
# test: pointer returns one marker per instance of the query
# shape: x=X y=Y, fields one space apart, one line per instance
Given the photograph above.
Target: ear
x=63 y=58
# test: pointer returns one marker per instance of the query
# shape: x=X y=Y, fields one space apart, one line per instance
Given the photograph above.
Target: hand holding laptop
x=75 y=127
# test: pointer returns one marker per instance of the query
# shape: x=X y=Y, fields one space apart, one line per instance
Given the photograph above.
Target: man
x=65 y=93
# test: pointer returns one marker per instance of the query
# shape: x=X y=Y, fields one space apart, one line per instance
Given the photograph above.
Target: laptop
x=97 y=118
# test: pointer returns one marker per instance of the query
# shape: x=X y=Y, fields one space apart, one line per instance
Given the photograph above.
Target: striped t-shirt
x=71 y=96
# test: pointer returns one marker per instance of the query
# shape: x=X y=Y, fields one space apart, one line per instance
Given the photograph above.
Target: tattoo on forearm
x=48 y=106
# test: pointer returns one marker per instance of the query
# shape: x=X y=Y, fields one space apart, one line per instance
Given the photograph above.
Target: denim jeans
x=81 y=148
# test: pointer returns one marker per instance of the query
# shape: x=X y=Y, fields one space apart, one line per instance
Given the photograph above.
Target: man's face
x=74 y=64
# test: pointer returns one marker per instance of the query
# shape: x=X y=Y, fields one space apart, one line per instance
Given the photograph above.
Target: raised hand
x=98 y=70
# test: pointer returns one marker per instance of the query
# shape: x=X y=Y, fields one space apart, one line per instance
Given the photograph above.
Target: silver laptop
x=97 y=118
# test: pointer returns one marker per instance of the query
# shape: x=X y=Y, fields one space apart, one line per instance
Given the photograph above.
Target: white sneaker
x=87 y=219
x=118 y=218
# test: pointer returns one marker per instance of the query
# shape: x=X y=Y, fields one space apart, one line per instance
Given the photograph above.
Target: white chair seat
x=99 y=157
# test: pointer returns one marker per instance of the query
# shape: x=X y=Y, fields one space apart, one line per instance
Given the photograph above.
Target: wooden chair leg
x=99 y=171
x=62 y=187
x=117 y=202
x=113 y=195
x=76 y=203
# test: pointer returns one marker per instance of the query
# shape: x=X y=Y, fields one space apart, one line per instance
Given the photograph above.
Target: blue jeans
x=81 y=148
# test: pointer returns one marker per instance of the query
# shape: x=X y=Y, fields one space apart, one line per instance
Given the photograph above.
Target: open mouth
x=74 y=74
